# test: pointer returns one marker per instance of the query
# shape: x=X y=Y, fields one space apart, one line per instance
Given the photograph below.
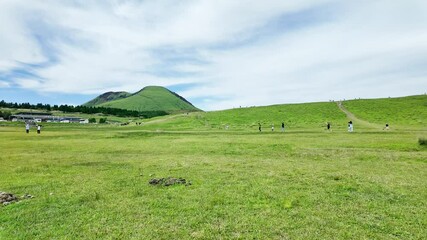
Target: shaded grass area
x=93 y=183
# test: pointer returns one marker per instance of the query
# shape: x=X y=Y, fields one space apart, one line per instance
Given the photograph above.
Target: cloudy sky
x=216 y=53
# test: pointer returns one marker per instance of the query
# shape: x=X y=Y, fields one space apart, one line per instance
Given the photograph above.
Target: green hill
x=107 y=97
x=295 y=116
x=405 y=112
x=152 y=98
x=402 y=111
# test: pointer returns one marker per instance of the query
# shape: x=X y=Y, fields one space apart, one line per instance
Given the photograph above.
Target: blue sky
x=218 y=54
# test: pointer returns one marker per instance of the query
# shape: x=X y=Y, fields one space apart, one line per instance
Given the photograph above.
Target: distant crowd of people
x=272 y=127
x=328 y=127
x=350 y=127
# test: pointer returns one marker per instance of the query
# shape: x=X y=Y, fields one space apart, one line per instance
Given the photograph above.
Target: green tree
x=103 y=120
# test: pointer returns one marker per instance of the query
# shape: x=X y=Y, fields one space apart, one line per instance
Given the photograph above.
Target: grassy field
x=401 y=112
x=91 y=181
x=303 y=117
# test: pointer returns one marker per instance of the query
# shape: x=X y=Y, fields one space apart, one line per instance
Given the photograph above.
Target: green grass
x=297 y=185
x=401 y=112
x=106 y=97
x=91 y=181
x=304 y=117
x=152 y=98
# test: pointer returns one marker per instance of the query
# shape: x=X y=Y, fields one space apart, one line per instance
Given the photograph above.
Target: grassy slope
x=405 y=111
x=264 y=186
x=106 y=97
x=408 y=112
x=151 y=99
x=295 y=116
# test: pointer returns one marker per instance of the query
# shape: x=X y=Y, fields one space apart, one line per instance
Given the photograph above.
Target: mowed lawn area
x=91 y=182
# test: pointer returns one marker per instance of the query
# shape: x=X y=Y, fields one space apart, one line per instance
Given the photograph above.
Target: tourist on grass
x=259 y=127
x=386 y=127
x=328 y=126
x=38 y=129
x=283 y=126
x=272 y=127
x=350 y=126
x=27 y=127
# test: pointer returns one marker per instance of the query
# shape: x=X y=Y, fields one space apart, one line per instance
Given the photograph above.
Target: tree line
x=83 y=109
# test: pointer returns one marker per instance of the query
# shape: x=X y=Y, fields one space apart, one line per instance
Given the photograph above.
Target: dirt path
x=164 y=119
x=356 y=120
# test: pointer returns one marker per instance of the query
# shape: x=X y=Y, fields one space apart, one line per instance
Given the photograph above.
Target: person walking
x=27 y=127
x=350 y=126
x=328 y=126
x=283 y=126
x=259 y=127
x=38 y=129
x=386 y=127
x=272 y=127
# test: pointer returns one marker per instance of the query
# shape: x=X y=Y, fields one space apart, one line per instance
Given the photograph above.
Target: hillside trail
x=164 y=119
x=357 y=120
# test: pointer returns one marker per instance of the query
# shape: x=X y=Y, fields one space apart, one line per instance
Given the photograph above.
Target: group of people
x=350 y=126
x=328 y=126
x=272 y=127
x=27 y=128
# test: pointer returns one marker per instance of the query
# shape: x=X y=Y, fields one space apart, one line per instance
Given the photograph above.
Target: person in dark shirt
x=386 y=127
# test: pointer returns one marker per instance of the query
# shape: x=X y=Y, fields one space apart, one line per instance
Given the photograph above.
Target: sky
x=218 y=54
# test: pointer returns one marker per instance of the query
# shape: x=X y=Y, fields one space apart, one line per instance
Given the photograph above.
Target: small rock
x=7 y=197
x=6 y=203
x=27 y=196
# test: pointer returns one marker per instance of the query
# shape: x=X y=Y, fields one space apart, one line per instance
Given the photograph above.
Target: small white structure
x=2 y=119
x=65 y=121
x=84 y=121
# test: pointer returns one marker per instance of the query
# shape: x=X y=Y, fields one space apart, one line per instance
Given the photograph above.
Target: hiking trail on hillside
x=353 y=118
x=164 y=118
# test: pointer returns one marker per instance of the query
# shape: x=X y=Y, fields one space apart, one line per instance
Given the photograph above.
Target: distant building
x=84 y=121
x=47 y=118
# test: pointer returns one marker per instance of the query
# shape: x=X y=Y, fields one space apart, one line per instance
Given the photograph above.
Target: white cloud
x=238 y=52
x=4 y=84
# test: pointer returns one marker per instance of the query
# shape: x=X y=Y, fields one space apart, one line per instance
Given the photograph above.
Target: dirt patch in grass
x=169 y=181
x=8 y=198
